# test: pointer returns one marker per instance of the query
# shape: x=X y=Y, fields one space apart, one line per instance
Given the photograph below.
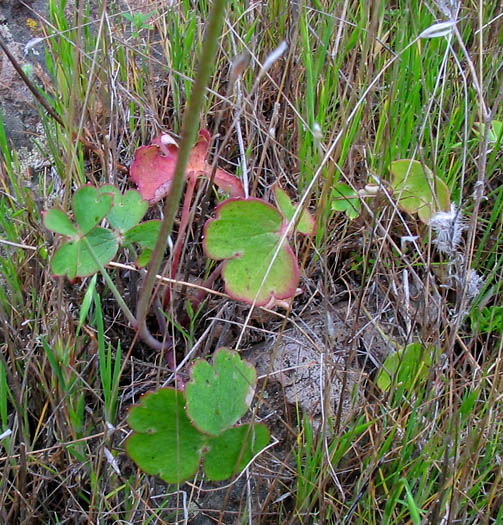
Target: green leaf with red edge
x=306 y=224
x=230 y=452
x=246 y=233
x=164 y=442
x=218 y=395
x=75 y=259
x=90 y=206
x=418 y=190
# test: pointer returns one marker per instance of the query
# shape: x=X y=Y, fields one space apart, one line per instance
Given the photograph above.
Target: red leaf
x=153 y=172
x=153 y=167
x=197 y=159
x=229 y=183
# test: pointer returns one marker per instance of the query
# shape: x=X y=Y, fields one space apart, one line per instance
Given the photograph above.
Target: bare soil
x=19 y=26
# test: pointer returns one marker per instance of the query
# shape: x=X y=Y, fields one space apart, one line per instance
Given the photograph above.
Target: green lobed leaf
x=418 y=190
x=74 y=258
x=306 y=224
x=90 y=207
x=64 y=260
x=57 y=221
x=247 y=232
x=407 y=365
x=230 y=452
x=164 y=442
x=220 y=394
x=128 y=209
x=144 y=234
x=103 y=243
x=345 y=199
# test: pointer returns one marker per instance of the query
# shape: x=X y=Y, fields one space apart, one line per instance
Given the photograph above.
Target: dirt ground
x=19 y=27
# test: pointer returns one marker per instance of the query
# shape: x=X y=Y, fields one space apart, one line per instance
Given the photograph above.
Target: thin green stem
x=115 y=292
x=144 y=332
x=189 y=130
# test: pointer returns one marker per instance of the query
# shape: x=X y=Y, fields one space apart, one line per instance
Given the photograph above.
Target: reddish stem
x=202 y=293
x=184 y=221
x=207 y=284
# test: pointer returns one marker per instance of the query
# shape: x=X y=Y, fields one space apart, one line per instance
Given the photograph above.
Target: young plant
x=173 y=430
x=89 y=246
x=418 y=190
x=246 y=234
x=345 y=199
x=139 y=22
x=153 y=170
x=217 y=396
x=407 y=366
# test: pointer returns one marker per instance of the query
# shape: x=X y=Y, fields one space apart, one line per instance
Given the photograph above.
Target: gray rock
x=315 y=375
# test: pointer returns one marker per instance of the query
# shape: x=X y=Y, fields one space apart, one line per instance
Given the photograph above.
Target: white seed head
x=474 y=283
x=449 y=227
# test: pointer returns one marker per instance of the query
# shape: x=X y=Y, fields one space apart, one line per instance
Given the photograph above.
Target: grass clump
x=321 y=100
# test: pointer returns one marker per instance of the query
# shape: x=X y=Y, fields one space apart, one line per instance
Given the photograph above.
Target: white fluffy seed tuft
x=448 y=227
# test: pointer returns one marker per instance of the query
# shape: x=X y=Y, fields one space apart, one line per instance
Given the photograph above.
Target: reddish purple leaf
x=228 y=183
x=153 y=172
x=153 y=167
